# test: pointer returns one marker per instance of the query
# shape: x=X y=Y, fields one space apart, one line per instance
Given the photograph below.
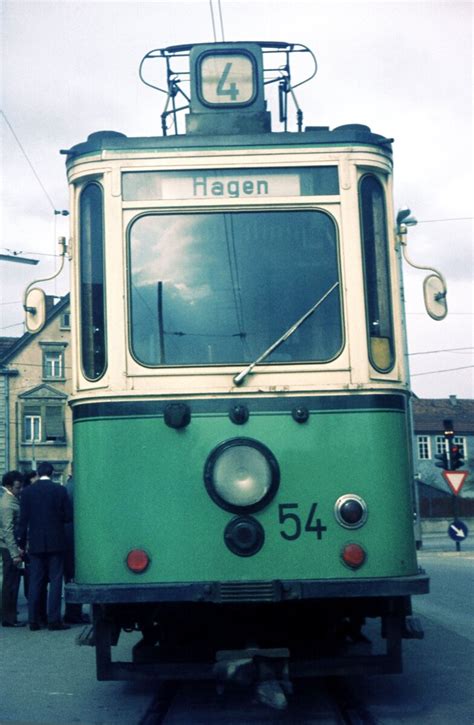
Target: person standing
x=72 y=612
x=44 y=510
x=28 y=479
x=12 y=555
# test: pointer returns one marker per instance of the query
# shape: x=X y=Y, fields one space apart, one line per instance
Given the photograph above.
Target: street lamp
x=15 y=257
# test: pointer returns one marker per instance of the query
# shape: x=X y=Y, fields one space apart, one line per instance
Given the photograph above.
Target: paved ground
x=45 y=679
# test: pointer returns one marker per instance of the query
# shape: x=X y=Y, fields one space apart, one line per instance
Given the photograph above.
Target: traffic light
x=442 y=461
x=456 y=454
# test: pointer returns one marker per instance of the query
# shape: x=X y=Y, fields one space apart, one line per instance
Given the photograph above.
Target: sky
x=403 y=68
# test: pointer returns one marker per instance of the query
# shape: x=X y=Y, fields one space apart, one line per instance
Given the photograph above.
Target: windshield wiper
x=240 y=377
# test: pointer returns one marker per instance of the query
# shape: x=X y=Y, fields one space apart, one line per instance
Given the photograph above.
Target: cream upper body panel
x=349 y=370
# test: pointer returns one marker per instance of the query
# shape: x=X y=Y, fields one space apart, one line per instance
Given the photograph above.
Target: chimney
x=453 y=400
x=49 y=303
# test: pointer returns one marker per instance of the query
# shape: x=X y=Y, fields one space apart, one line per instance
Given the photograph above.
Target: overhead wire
x=213 y=22
x=447 y=370
x=221 y=21
x=7 y=327
x=452 y=219
x=56 y=212
x=448 y=349
x=28 y=160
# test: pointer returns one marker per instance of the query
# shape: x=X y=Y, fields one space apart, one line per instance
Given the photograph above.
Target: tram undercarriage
x=235 y=642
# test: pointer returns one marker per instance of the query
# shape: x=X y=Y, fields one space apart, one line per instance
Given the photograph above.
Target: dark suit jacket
x=44 y=509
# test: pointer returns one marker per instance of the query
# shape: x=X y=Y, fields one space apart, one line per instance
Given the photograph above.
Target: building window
x=32 y=429
x=65 y=323
x=44 y=423
x=424 y=448
x=461 y=441
x=457 y=440
x=53 y=365
x=53 y=360
x=54 y=423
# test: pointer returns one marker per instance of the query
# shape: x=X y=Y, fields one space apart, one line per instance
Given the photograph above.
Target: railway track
x=331 y=701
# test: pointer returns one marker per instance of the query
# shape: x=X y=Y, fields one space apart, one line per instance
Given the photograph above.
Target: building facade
x=36 y=375
x=436 y=498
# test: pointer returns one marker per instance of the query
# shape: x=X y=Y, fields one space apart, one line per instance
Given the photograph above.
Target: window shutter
x=29 y=409
x=54 y=422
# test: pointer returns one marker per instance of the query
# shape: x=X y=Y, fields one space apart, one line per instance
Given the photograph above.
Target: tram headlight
x=350 y=511
x=241 y=475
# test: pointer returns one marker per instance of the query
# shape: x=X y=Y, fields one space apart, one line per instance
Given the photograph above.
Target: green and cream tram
x=241 y=397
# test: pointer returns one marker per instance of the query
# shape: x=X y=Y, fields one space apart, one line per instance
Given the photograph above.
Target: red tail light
x=138 y=561
x=353 y=555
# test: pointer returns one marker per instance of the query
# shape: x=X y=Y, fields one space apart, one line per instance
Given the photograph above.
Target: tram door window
x=220 y=288
x=377 y=274
x=92 y=289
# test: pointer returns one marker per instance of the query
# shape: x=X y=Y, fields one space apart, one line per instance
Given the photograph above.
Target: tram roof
x=347 y=135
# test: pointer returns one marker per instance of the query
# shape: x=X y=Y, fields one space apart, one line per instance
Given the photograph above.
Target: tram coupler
x=266 y=670
x=412 y=628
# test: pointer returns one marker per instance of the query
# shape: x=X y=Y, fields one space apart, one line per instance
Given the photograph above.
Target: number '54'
x=290 y=518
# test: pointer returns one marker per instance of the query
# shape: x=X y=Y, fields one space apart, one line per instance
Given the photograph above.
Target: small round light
x=350 y=511
x=138 y=561
x=353 y=555
x=244 y=536
x=241 y=475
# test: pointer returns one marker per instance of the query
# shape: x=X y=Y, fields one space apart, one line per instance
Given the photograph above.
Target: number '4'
x=311 y=526
x=232 y=90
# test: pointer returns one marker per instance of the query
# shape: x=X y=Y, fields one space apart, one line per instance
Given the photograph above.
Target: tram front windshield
x=220 y=288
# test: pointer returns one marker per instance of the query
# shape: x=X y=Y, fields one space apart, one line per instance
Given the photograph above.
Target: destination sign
x=231 y=187
x=230 y=184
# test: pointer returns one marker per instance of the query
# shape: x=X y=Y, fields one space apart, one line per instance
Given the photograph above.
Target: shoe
x=13 y=624
x=84 y=619
x=34 y=627
x=57 y=626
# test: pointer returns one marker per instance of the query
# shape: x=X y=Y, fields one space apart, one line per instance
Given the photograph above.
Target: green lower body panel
x=140 y=485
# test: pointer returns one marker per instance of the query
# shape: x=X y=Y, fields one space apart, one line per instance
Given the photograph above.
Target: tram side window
x=92 y=287
x=377 y=274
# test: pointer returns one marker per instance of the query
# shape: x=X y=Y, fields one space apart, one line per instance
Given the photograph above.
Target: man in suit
x=11 y=554
x=72 y=612
x=44 y=509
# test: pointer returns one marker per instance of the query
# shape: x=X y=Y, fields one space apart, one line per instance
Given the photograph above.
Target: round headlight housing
x=241 y=475
x=244 y=536
x=350 y=511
